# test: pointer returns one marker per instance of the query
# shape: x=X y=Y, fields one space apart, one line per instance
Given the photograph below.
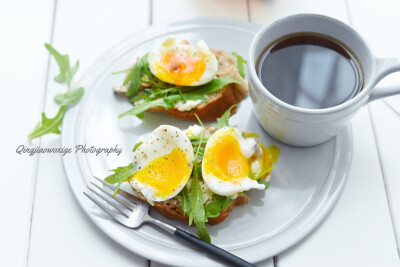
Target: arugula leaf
x=214 y=208
x=136 y=146
x=121 y=174
x=66 y=71
x=196 y=206
x=69 y=97
x=201 y=138
x=240 y=64
x=185 y=205
x=48 y=125
x=134 y=76
x=261 y=181
x=198 y=93
x=214 y=85
x=223 y=121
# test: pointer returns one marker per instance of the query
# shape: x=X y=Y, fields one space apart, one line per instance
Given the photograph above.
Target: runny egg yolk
x=225 y=160
x=180 y=68
x=165 y=173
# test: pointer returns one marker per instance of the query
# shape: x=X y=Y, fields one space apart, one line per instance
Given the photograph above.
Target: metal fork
x=132 y=212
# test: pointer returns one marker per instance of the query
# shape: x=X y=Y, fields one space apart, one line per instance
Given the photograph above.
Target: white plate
x=305 y=185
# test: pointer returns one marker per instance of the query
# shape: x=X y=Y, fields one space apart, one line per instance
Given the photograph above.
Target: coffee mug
x=302 y=126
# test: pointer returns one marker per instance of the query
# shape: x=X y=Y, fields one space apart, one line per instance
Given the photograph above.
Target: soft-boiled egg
x=162 y=164
x=229 y=159
x=183 y=64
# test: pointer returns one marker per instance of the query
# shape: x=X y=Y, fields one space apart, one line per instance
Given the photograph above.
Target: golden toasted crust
x=219 y=102
x=172 y=210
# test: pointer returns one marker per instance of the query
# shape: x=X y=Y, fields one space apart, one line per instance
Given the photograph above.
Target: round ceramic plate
x=305 y=184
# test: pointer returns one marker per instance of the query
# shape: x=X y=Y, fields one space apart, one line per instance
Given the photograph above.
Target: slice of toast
x=171 y=208
x=218 y=102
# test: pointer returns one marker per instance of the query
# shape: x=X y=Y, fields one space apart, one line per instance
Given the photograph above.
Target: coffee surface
x=310 y=71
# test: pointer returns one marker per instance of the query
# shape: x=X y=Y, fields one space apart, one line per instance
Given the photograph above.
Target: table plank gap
x=379 y=24
x=248 y=10
x=384 y=175
x=37 y=157
x=393 y=105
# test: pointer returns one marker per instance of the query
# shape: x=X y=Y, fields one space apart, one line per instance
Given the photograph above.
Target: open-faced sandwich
x=183 y=80
x=200 y=174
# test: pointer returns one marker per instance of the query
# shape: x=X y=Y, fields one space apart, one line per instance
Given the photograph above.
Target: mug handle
x=384 y=67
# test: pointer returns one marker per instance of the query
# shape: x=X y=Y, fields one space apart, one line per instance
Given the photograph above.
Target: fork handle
x=214 y=250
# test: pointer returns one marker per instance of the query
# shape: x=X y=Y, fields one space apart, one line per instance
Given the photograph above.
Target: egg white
x=161 y=142
x=248 y=146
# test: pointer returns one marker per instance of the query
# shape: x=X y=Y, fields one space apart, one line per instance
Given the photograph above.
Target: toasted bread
x=171 y=209
x=218 y=102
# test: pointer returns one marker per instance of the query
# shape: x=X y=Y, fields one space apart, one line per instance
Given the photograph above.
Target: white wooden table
x=41 y=222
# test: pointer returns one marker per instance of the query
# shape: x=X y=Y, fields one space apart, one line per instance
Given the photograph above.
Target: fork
x=132 y=212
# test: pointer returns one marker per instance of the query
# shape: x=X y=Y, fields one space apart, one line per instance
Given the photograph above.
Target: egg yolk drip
x=181 y=69
x=165 y=173
x=225 y=160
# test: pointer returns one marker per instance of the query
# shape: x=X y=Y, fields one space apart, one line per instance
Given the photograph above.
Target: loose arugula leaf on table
x=69 y=97
x=223 y=121
x=219 y=204
x=197 y=93
x=121 y=174
x=240 y=64
x=48 y=125
x=67 y=73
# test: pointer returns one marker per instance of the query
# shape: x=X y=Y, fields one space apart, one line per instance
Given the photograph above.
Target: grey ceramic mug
x=306 y=127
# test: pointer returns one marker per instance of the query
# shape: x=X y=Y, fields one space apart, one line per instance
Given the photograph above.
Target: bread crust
x=172 y=210
x=219 y=102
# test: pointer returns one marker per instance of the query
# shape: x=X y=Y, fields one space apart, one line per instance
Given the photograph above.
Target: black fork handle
x=227 y=257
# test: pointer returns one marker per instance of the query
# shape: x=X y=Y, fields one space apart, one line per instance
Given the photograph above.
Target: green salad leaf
x=261 y=181
x=185 y=205
x=223 y=121
x=134 y=76
x=48 y=125
x=67 y=73
x=213 y=209
x=121 y=174
x=137 y=145
x=195 y=195
x=69 y=97
x=168 y=101
x=240 y=64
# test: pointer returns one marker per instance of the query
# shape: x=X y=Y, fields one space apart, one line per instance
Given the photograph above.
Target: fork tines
x=123 y=201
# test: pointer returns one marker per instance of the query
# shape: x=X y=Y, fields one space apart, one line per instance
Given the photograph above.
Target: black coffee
x=310 y=71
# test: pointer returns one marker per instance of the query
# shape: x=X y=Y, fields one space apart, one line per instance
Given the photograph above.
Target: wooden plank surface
x=379 y=23
x=24 y=27
x=62 y=234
